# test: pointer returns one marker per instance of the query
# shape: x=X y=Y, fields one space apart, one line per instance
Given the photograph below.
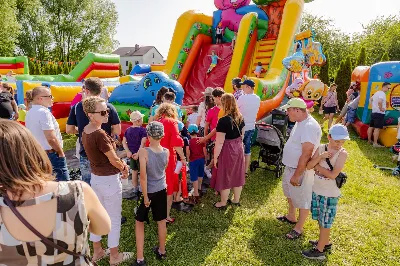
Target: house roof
x=130 y=51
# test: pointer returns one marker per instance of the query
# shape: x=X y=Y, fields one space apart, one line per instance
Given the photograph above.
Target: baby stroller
x=271 y=142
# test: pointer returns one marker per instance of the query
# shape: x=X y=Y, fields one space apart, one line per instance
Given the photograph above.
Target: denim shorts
x=196 y=169
x=351 y=115
x=324 y=209
x=248 y=136
x=60 y=168
x=86 y=171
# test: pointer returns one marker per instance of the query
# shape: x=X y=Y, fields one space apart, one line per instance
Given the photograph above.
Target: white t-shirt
x=305 y=131
x=202 y=114
x=39 y=118
x=325 y=186
x=378 y=96
x=248 y=105
x=192 y=118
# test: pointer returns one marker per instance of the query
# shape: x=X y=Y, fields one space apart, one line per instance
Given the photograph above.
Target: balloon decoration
x=294 y=63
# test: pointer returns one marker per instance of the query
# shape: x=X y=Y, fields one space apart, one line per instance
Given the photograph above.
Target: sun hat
x=208 y=91
x=180 y=126
x=193 y=128
x=339 y=132
x=136 y=115
x=295 y=103
x=155 y=130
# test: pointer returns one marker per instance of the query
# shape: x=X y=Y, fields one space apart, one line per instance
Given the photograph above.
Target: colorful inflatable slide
x=264 y=33
x=18 y=65
x=371 y=79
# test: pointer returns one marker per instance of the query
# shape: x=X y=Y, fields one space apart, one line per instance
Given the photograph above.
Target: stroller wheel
x=254 y=165
x=396 y=172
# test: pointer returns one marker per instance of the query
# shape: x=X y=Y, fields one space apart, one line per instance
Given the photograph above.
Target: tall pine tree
x=343 y=80
x=129 y=68
x=362 y=58
x=324 y=71
x=120 y=71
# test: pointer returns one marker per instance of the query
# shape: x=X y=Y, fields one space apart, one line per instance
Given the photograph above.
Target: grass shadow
x=270 y=245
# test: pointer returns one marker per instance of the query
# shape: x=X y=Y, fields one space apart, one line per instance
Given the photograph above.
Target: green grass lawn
x=366 y=230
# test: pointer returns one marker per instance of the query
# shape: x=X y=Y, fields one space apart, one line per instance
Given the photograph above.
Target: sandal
x=285 y=220
x=293 y=234
x=220 y=207
x=125 y=257
x=159 y=255
x=233 y=203
x=106 y=254
x=171 y=221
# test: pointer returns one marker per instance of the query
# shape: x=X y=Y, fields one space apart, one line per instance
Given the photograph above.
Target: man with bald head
x=44 y=127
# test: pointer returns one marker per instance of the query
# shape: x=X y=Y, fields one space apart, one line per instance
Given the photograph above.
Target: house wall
x=145 y=59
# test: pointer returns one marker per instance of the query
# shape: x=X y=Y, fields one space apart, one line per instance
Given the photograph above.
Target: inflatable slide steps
x=263 y=53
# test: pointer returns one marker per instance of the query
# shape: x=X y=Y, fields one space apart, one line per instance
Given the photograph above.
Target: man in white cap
x=304 y=139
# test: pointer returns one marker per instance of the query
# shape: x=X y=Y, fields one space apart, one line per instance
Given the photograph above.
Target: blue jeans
x=59 y=166
x=248 y=136
x=86 y=171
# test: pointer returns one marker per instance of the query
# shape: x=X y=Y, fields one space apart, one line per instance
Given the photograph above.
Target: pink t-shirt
x=212 y=118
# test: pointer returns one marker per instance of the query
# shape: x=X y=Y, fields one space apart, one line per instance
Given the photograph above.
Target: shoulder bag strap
x=327 y=160
x=236 y=125
x=36 y=232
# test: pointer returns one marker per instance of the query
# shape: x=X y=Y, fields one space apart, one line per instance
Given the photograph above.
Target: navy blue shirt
x=78 y=118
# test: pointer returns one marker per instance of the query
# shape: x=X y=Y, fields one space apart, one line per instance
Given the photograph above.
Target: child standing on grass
x=328 y=161
x=153 y=162
x=134 y=139
x=196 y=152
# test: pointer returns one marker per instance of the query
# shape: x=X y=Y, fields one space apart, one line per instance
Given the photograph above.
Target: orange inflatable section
x=269 y=105
x=361 y=74
x=200 y=40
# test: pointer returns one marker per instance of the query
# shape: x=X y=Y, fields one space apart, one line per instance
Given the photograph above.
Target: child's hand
x=201 y=140
x=146 y=201
x=326 y=155
x=129 y=154
x=135 y=156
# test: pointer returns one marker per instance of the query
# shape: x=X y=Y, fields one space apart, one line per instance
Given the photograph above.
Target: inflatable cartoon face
x=144 y=92
x=313 y=90
x=228 y=4
x=297 y=83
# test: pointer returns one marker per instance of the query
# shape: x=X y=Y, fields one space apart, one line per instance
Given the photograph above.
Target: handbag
x=341 y=178
x=45 y=240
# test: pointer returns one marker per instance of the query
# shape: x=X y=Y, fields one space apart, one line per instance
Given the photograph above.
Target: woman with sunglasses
x=107 y=170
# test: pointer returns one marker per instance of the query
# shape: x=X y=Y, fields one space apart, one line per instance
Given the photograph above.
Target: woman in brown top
x=62 y=211
x=105 y=178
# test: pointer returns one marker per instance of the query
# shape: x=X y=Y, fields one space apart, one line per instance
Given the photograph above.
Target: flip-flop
x=106 y=254
x=170 y=221
x=293 y=234
x=285 y=220
x=125 y=257
x=233 y=203
x=220 y=207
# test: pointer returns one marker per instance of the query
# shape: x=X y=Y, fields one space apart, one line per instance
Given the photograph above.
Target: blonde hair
x=89 y=104
x=230 y=107
x=22 y=171
x=168 y=110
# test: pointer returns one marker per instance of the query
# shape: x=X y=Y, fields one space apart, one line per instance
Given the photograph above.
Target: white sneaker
x=208 y=172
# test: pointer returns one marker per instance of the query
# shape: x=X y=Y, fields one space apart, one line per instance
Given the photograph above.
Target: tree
x=324 y=71
x=120 y=71
x=129 y=68
x=385 y=57
x=362 y=57
x=343 y=79
x=9 y=28
x=66 y=30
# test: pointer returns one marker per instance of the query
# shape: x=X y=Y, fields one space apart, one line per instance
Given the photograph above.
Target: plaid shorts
x=323 y=209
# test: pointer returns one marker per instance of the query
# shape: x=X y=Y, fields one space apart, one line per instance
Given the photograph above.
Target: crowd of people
x=218 y=132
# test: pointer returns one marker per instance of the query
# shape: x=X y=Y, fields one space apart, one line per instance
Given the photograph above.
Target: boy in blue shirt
x=214 y=61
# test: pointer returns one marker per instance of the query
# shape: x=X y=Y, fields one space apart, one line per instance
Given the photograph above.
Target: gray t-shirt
x=156 y=165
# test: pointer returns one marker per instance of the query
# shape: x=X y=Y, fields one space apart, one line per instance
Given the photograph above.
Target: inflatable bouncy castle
x=371 y=80
x=263 y=33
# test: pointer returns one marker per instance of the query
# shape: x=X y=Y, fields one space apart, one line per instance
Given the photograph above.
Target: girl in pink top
x=330 y=105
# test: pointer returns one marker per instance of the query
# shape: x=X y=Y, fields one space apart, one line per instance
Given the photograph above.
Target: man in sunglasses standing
x=77 y=121
x=44 y=127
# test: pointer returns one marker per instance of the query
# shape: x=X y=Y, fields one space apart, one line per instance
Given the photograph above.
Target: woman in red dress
x=167 y=115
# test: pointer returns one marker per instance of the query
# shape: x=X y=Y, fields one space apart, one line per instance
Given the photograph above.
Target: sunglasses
x=48 y=96
x=102 y=113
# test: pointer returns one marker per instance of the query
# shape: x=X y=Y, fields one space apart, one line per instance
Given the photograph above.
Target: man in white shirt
x=44 y=127
x=378 y=103
x=297 y=184
x=248 y=104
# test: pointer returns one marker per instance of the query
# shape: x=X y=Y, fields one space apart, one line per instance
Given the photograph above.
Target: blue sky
x=152 y=22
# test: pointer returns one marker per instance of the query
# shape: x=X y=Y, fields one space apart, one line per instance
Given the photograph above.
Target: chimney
x=137 y=47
